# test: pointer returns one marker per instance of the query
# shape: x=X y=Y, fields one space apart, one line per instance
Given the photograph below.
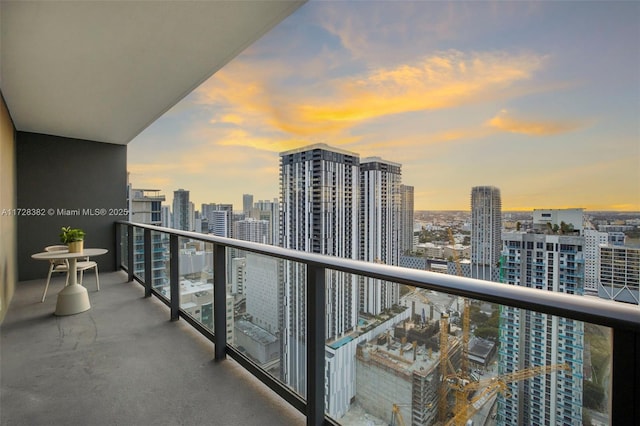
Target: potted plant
x=73 y=238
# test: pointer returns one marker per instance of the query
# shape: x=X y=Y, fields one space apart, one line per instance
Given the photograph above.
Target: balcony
x=63 y=370
x=89 y=348
x=122 y=362
x=131 y=356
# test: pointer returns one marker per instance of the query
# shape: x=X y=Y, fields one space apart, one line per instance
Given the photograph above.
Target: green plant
x=69 y=234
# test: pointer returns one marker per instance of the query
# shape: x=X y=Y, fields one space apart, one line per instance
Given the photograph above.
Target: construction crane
x=444 y=359
x=396 y=415
x=465 y=409
x=464 y=367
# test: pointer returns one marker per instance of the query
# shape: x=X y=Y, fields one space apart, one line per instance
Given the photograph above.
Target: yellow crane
x=444 y=359
x=396 y=415
x=464 y=367
x=465 y=409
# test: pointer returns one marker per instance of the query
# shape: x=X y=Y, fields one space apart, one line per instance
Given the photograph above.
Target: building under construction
x=398 y=377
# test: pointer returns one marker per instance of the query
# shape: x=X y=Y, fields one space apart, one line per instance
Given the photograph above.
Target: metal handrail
x=589 y=309
x=623 y=319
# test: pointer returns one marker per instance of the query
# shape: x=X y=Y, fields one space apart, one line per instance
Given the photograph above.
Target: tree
x=592 y=395
x=566 y=228
x=490 y=333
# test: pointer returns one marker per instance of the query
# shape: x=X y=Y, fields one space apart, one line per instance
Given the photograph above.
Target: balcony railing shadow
x=121 y=362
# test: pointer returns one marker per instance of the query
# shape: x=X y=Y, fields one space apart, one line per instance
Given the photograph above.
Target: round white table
x=74 y=298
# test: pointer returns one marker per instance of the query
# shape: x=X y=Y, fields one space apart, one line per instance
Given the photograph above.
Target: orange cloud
x=507 y=123
x=273 y=144
x=232 y=118
x=265 y=101
x=446 y=80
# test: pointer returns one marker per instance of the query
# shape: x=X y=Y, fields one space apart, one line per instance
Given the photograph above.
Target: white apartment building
x=252 y=230
x=380 y=220
x=269 y=211
x=219 y=218
x=486 y=230
x=592 y=241
x=263 y=301
x=545 y=218
x=319 y=195
x=145 y=206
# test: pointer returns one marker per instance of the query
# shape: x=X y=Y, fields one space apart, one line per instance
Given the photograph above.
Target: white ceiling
x=105 y=70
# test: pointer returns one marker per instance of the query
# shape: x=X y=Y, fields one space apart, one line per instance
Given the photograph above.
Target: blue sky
x=541 y=99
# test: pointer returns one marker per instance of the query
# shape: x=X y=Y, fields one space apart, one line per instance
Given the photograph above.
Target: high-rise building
x=145 y=206
x=247 y=204
x=486 y=229
x=406 y=219
x=219 y=218
x=262 y=291
x=619 y=273
x=220 y=224
x=558 y=220
x=251 y=230
x=238 y=277
x=319 y=187
x=379 y=226
x=552 y=262
x=592 y=241
x=166 y=216
x=181 y=211
x=269 y=211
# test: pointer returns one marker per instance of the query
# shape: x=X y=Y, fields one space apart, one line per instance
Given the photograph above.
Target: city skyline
x=461 y=94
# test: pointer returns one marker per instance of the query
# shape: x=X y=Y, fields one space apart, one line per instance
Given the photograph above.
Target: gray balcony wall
x=8 y=223
x=71 y=180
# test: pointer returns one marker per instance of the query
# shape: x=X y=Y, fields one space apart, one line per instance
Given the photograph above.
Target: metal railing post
x=316 y=336
x=625 y=378
x=174 y=277
x=148 y=272
x=220 y=301
x=118 y=247
x=130 y=252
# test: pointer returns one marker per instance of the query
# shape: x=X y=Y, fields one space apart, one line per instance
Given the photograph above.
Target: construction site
x=407 y=366
x=398 y=374
x=423 y=373
x=428 y=372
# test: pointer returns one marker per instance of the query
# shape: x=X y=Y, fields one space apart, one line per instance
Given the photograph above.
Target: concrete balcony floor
x=120 y=363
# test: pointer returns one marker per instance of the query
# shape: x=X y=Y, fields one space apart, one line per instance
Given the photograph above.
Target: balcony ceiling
x=105 y=70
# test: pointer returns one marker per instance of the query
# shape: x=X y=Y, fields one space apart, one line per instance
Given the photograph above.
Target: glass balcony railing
x=344 y=340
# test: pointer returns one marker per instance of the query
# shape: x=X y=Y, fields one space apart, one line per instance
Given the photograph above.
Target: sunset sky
x=541 y=99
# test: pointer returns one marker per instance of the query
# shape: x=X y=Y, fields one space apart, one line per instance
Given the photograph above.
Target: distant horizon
x=238 y=205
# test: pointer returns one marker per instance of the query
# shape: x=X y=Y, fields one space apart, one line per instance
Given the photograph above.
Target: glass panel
x=522 y=367
x=124 y=246
x=269 y=302
x=196 y=280
x=160 y=257
x=138 y=253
